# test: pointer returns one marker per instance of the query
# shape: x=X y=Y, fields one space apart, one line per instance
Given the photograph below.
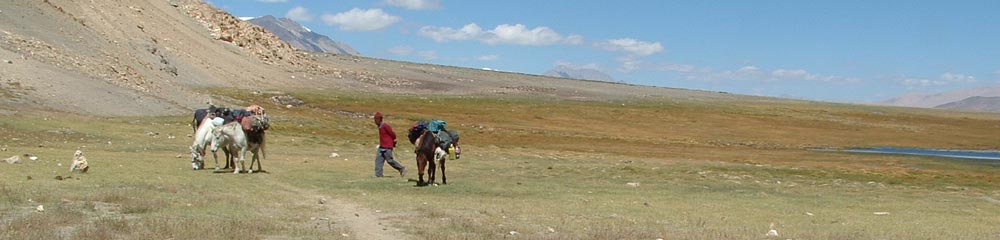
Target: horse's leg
x=259 y=148
x=444 y=177
x=243 y=158
x=240 y=154
x=215 y=155
x=430 y=171
x=229 y=157
x=421 y=165
x=253 y=159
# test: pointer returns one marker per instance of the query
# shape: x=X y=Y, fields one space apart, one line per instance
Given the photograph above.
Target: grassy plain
x=533 y=167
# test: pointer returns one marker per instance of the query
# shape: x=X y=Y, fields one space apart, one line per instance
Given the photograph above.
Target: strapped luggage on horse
x=446 y=138
x=415 y=131
x=252 y=119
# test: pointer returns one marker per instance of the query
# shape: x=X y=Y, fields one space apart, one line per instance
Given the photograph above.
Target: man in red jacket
x=386 y=142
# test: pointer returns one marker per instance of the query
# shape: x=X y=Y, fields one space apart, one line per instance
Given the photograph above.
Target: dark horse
x=212 y=112
x=426 y=147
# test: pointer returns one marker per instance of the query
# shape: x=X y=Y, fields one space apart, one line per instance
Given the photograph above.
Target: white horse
x=203 y=136
x=232 y=135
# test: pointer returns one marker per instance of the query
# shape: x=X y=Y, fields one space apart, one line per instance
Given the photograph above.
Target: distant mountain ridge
x=936 y=100
x=564 y=71
x=301 y=37
x=985 y=104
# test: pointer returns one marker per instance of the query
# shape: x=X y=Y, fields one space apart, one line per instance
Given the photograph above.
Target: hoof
x=250 y=171
x=216 y=168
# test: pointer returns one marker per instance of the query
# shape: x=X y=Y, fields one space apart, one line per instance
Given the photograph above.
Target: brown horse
x=427 y=151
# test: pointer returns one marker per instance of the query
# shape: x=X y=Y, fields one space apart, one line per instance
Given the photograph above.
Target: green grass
x=544 y=168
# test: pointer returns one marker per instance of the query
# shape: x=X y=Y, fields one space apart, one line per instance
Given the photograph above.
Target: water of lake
x=990 y=156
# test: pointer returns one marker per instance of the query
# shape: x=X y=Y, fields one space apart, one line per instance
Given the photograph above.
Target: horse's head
x=218 y=137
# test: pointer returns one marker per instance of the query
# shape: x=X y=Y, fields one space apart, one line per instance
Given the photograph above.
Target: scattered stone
x=632 y=184
x=60 y=178
x=179 y=156
x=322 y=200
x=40 y=208
x=287 y=100
x=79 y=162
x=3 y=149
x=334 y=155
x=772 y=232
x=29 y=177
x=810 y=214
x=13 y=160
x=881 y=213
x=8 y=61
x=551 y=230
x=514 y=233
x=31 y=157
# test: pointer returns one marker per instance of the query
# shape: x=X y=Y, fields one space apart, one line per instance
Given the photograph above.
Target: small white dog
x=79 y=162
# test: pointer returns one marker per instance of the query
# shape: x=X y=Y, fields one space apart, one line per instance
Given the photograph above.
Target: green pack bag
x=446 y=138
x=436 y=125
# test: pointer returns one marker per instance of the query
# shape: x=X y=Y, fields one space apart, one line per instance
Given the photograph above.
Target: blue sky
x=845 y=51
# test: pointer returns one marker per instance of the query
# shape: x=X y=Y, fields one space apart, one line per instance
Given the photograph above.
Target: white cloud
x=444 y=34
x=491 y=57
x=360 y=20
x=516 y=34
x=749 y=70
x=415 y=4
x=300 y=14
x=574 y=39
x=401 y=50
x=631 y=46
x=273 y=1
x=957 y=78
x=793 y=74
x=997 y=72
x=943 y=80
x=922 y=82
x=629 y=63
x=750 y=73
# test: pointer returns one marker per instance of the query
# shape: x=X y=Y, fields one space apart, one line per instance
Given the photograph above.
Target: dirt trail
x=363 y=222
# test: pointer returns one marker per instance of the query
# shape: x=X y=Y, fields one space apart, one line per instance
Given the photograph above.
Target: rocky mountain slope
x=300 y=37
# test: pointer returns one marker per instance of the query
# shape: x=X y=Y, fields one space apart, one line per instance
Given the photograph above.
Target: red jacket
x=386 y=137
